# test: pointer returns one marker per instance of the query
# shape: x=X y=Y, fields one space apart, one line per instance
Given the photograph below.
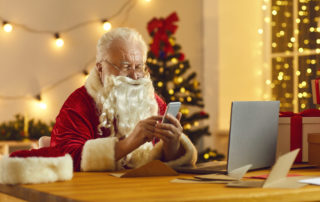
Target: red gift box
x=294 y=129
x=315 y=85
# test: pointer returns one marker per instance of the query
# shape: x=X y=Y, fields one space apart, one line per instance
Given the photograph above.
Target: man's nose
x=133 y=75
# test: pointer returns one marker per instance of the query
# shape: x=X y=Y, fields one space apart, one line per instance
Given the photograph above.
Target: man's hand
x=170 y=134
x=143 y=132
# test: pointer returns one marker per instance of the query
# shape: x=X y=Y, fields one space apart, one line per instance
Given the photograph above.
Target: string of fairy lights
x=106 y=24
x=294 y=51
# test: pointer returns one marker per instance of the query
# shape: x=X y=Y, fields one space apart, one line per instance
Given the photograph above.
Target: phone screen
x=173 y=109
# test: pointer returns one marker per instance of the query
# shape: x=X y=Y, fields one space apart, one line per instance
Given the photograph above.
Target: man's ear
x=99 y=67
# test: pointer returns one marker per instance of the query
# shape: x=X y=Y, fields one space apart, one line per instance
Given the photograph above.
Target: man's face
x=125 y=59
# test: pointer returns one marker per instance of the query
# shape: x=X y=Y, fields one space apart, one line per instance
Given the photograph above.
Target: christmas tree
x=168 y=69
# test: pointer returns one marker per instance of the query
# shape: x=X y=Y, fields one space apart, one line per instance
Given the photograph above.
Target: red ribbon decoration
x=160 y=28
x=316 y=82
x=296 y=128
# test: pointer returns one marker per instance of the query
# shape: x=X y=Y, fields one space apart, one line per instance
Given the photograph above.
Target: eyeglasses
x=126 y=68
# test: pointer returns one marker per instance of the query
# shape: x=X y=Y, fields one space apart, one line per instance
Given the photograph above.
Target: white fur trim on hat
x=98 y=154
x=31 y=170
x=190 y=155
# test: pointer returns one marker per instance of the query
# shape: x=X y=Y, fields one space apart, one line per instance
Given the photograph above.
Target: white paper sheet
x=314 y=181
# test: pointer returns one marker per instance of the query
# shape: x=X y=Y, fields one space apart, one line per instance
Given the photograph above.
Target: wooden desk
x=7 y=198
x=99 y=186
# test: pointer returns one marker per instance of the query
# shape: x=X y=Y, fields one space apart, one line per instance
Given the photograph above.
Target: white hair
x=121 y=33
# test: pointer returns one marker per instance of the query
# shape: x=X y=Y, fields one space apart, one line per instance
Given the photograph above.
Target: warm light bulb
x=7 y=27
x=268 y=82
x=274 y=45
x=264 y=7
x=260 y=31
x=59 y=41
x=174 y=60
x=309 y=70
x=267 y=19
x=42 y=105
x=107 y=25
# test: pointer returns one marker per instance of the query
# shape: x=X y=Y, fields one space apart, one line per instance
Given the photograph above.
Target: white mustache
x=118 y=80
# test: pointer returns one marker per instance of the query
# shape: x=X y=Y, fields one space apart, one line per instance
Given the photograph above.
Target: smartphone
x=173 y=109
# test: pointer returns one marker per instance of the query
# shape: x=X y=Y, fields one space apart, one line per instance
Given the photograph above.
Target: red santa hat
x=42 y=165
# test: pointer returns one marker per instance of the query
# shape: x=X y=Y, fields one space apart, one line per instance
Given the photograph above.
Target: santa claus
x=113 y=122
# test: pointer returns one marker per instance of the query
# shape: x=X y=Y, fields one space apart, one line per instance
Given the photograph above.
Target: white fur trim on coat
x=98 y=154
x=93 y=84
x=190 y=155
x=31 y=170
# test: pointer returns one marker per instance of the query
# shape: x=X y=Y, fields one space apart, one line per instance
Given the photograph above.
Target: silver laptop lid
x=253 y=134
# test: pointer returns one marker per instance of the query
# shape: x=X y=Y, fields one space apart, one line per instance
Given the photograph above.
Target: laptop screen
x=253 y=134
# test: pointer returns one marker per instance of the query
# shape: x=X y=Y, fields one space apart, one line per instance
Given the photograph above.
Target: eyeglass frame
x=144 y=69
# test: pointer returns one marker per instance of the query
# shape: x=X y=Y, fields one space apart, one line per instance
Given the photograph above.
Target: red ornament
x=203 y=113
x=181 y=57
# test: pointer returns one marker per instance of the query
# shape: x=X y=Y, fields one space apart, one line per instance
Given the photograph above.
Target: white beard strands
x=126 y=100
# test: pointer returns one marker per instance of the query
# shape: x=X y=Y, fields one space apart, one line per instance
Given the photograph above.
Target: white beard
x=126 y=100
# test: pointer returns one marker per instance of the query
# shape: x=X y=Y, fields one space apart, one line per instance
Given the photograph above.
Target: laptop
x=252 y=138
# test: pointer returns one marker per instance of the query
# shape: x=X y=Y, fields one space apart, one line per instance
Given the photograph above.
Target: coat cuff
x=190 y=155
x=98 y=154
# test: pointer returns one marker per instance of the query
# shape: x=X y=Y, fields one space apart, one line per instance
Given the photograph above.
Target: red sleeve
x=162 y=109
x=74 y=126
x=161 y=104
